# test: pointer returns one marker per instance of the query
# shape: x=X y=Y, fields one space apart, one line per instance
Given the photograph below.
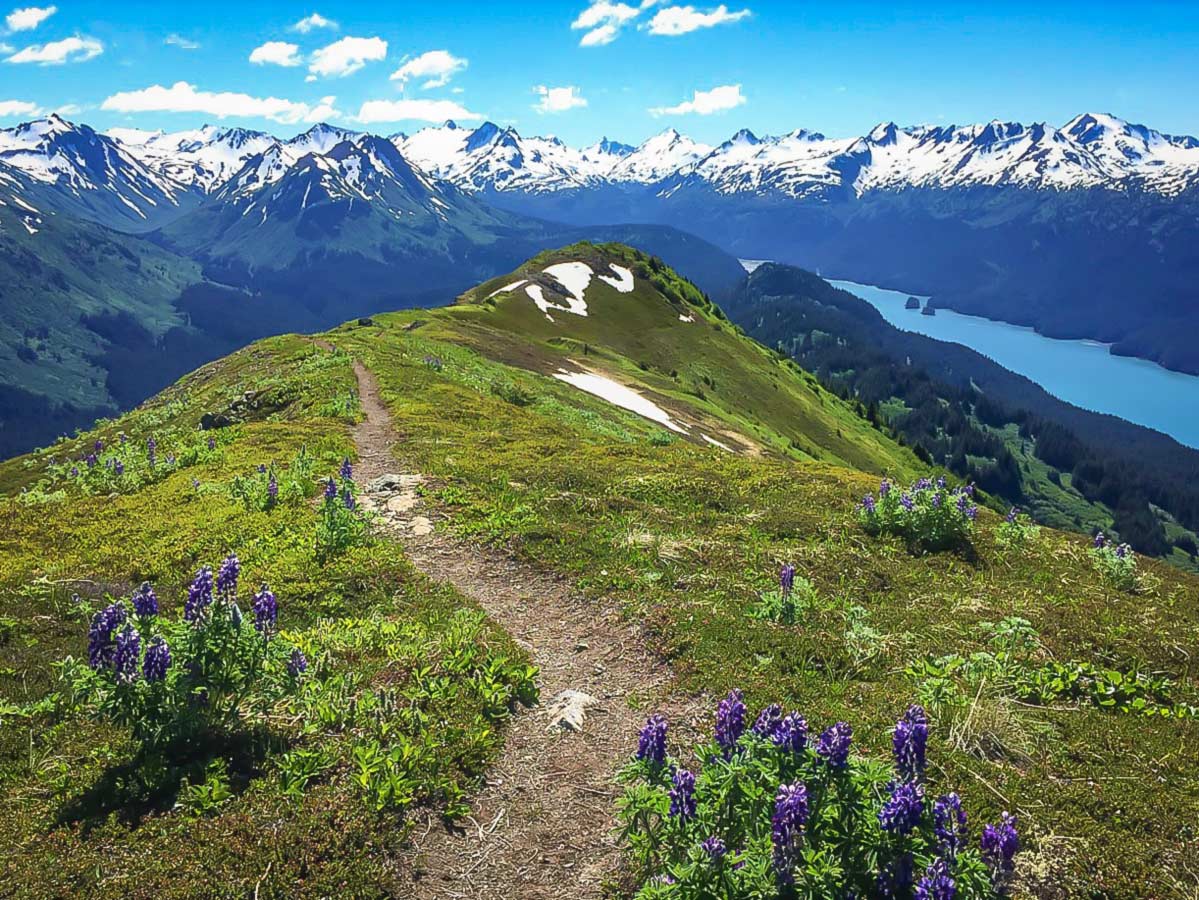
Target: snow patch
x=619 y=395
x=574 y=277
x=623 y=281
x=716 y=443
x=508 y=288
x=683 y=318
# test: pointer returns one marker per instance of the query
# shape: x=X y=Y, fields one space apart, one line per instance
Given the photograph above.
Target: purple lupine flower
x=170 y=459
x=902 y=811
x=145 y=601
x=91 y=460
x=730 y=722
x=786 y=828
x=884 y=488
x=346 y=471
x=211 y=442
x=938 y=500
x=1122 y=551
x=768 y=720
x=868 y=505
x=124 y=658
x=124 y=438
x=909 y=741
x=347 y=498
x=1100 y=540
x=791 y=734
x=98 y=446
x=714 y=848
x=227 y=575
x=199 y=595
x=651 y=744
x=682 y=795
x=1012 y=514
x=923 y=484
x=936 y=883
x=949 y=824
x=941 y=482
x=157 y=660
x=999 y=845
x=963 y=502
x=151 y=449
x=968 y=489
x=833 y=745
x=787 y=579
x=894 y=880
x=100 y=644
x=118 y=467
x=262 y=468
x=74 y=471
x=330 y=490
x=266 y=611
x=272 y=489
x=906 y=501
x=297 y=664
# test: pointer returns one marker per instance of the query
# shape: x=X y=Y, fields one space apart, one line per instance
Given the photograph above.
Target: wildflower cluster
x=928 y=513
x=1117 y=563
x=340 y=525
x=172 y=680
x=124 y=465
x=268 y=487
x=795 y=594
x=769 y=813
x=1017 y=530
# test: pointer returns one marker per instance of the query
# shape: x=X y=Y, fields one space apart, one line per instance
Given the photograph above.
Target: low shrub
x=172 y=682
x=1116 y=563
x=772 y=811
x=928 y=514
x=339 y=525
x=794 y=595
x=1017 y=531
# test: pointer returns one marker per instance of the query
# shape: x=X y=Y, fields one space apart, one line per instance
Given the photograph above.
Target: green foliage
x=265 y=488
x=224 y=671
x=1017 y=531
x=843 y=849
x=929 y=516
x=1011 y=667
x=785 y=606
x=340 y=525
x=1117 y=564
x=207 y=797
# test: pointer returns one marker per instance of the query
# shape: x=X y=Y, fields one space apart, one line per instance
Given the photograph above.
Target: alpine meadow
x=453 y=453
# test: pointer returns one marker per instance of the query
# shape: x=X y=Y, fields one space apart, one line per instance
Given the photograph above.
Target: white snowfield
x=619 y=395
x=575 y=278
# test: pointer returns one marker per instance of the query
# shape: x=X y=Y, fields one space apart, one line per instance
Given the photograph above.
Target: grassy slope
x=77 y=825
x=684 y=534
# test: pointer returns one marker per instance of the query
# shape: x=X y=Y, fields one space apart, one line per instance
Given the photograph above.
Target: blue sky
x=582 y=70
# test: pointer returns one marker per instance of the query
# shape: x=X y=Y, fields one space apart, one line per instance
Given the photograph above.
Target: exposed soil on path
x=542 y=826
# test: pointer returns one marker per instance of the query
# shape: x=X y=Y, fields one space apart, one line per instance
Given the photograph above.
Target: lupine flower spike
x=682 y=795
x=730 y=722
x=651 y=746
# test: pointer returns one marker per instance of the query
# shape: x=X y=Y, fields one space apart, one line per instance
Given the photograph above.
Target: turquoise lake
x=1080 y=372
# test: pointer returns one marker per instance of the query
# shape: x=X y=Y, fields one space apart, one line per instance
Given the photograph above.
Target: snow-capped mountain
x=91 y=175
x=203 y=158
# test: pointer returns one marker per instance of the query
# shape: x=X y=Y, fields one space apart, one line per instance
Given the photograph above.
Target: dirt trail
x=542 y=826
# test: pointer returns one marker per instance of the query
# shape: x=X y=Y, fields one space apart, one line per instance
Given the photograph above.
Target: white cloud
x=276 y=53
x=68 y=109
x=10 y=108
x=704 y=103
x=347 y=56
x=177 y=40
x=313 y=22
x=603 y=20
x=439 y=66
x=184 y=97
x=28 y=18
x=55 y=53
x=419 y=110
x=558 y=99
x=675 y=20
